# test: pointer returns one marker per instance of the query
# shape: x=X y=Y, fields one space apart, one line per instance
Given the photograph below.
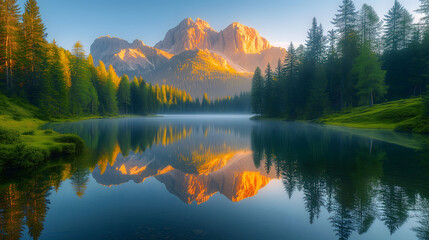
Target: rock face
x=130 y=58
x=194 y=57
x=240 y=45
x=188 y=35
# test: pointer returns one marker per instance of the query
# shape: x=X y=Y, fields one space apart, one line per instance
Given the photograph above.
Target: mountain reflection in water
x=357 y=180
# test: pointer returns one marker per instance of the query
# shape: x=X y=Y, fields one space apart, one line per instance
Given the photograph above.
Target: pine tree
x=145 y=99
x=370 y=84
x=290 y=81
x=313 y=79
x=33 y=48
x=333 y=73
x=369 y=27
x=134 y=96
x=55 y=94
x=392 y=32
x=80 y=81
x=317 y=102
x=277 y=89
x=405 y=29
x=315 y=43
x=9 y=34
x=205 y=104
x=123 y=95
x=110 y=92
x=345 y=22
x=268 y=100
x=424 y=9
x=257 y=91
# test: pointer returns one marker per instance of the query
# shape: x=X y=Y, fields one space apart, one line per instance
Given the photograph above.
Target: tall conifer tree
x=9 y=33
x=33 y=48
x=257 y=91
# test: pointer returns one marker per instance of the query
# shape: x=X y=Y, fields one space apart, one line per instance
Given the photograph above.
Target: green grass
x=23 y=143
x=389 y=115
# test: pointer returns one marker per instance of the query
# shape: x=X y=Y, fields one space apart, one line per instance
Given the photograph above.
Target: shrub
x=71 y=138
x=28 y=156
x=48 y=131
x=8 y=136
x=21 y=155
x=28 y=133
x=69 y=148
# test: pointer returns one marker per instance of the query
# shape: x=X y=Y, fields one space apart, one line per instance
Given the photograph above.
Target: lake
x=223 y=177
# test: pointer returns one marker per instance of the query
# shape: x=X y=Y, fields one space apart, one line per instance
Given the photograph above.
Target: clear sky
x=280 y=21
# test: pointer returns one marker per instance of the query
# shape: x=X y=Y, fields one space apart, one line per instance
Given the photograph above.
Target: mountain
x=198 y=71
x=128 y=58
x=240 y=45
x=194 y=57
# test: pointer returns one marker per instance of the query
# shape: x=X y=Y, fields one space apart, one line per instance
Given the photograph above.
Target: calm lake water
x=223 y=177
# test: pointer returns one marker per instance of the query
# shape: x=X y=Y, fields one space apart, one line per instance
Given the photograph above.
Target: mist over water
x=223 y=177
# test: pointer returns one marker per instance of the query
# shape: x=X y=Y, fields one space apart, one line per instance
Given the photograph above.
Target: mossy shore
x=402 y=115
x=23 y=143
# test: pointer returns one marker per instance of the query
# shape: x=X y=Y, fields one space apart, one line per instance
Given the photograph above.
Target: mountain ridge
x=192 y=56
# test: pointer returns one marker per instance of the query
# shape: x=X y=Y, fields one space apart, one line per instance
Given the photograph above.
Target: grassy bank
x=23 y=143
x=402 y=115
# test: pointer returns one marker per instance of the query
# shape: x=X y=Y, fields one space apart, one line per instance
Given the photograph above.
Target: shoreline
x=398 y=116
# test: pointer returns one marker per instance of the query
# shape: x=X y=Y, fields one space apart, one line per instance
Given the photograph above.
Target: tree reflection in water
x=357 y=180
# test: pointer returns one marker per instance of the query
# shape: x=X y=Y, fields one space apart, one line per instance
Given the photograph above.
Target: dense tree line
x=68 y=83
x=362 y=61
x=239 y=103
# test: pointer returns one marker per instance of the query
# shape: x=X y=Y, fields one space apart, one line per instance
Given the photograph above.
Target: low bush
x=28 y=132
x=21 y=155
x=48 y=131
x=71 y=138
x=8 y=136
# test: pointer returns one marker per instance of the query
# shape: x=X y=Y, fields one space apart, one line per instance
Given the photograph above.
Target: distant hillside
x=198 y=71
x=194 y=57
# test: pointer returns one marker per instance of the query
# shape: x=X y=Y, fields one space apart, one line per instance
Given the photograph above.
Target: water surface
x=223 y=177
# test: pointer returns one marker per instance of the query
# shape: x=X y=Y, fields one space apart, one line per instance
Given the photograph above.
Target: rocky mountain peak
x=222 y=62
x=243 y=39
x=188 y=35
x=138 y=43
x=203 y=24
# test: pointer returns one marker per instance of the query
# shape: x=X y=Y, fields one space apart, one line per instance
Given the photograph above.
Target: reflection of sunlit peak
x=115 y=154
x=136 y=170
x=122 y=169
x=247 y=184
x=102 y=164
x=237 y=179
x=108 y=158
x=164 y=170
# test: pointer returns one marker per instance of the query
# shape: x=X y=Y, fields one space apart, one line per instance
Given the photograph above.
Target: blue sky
x=280 y=21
